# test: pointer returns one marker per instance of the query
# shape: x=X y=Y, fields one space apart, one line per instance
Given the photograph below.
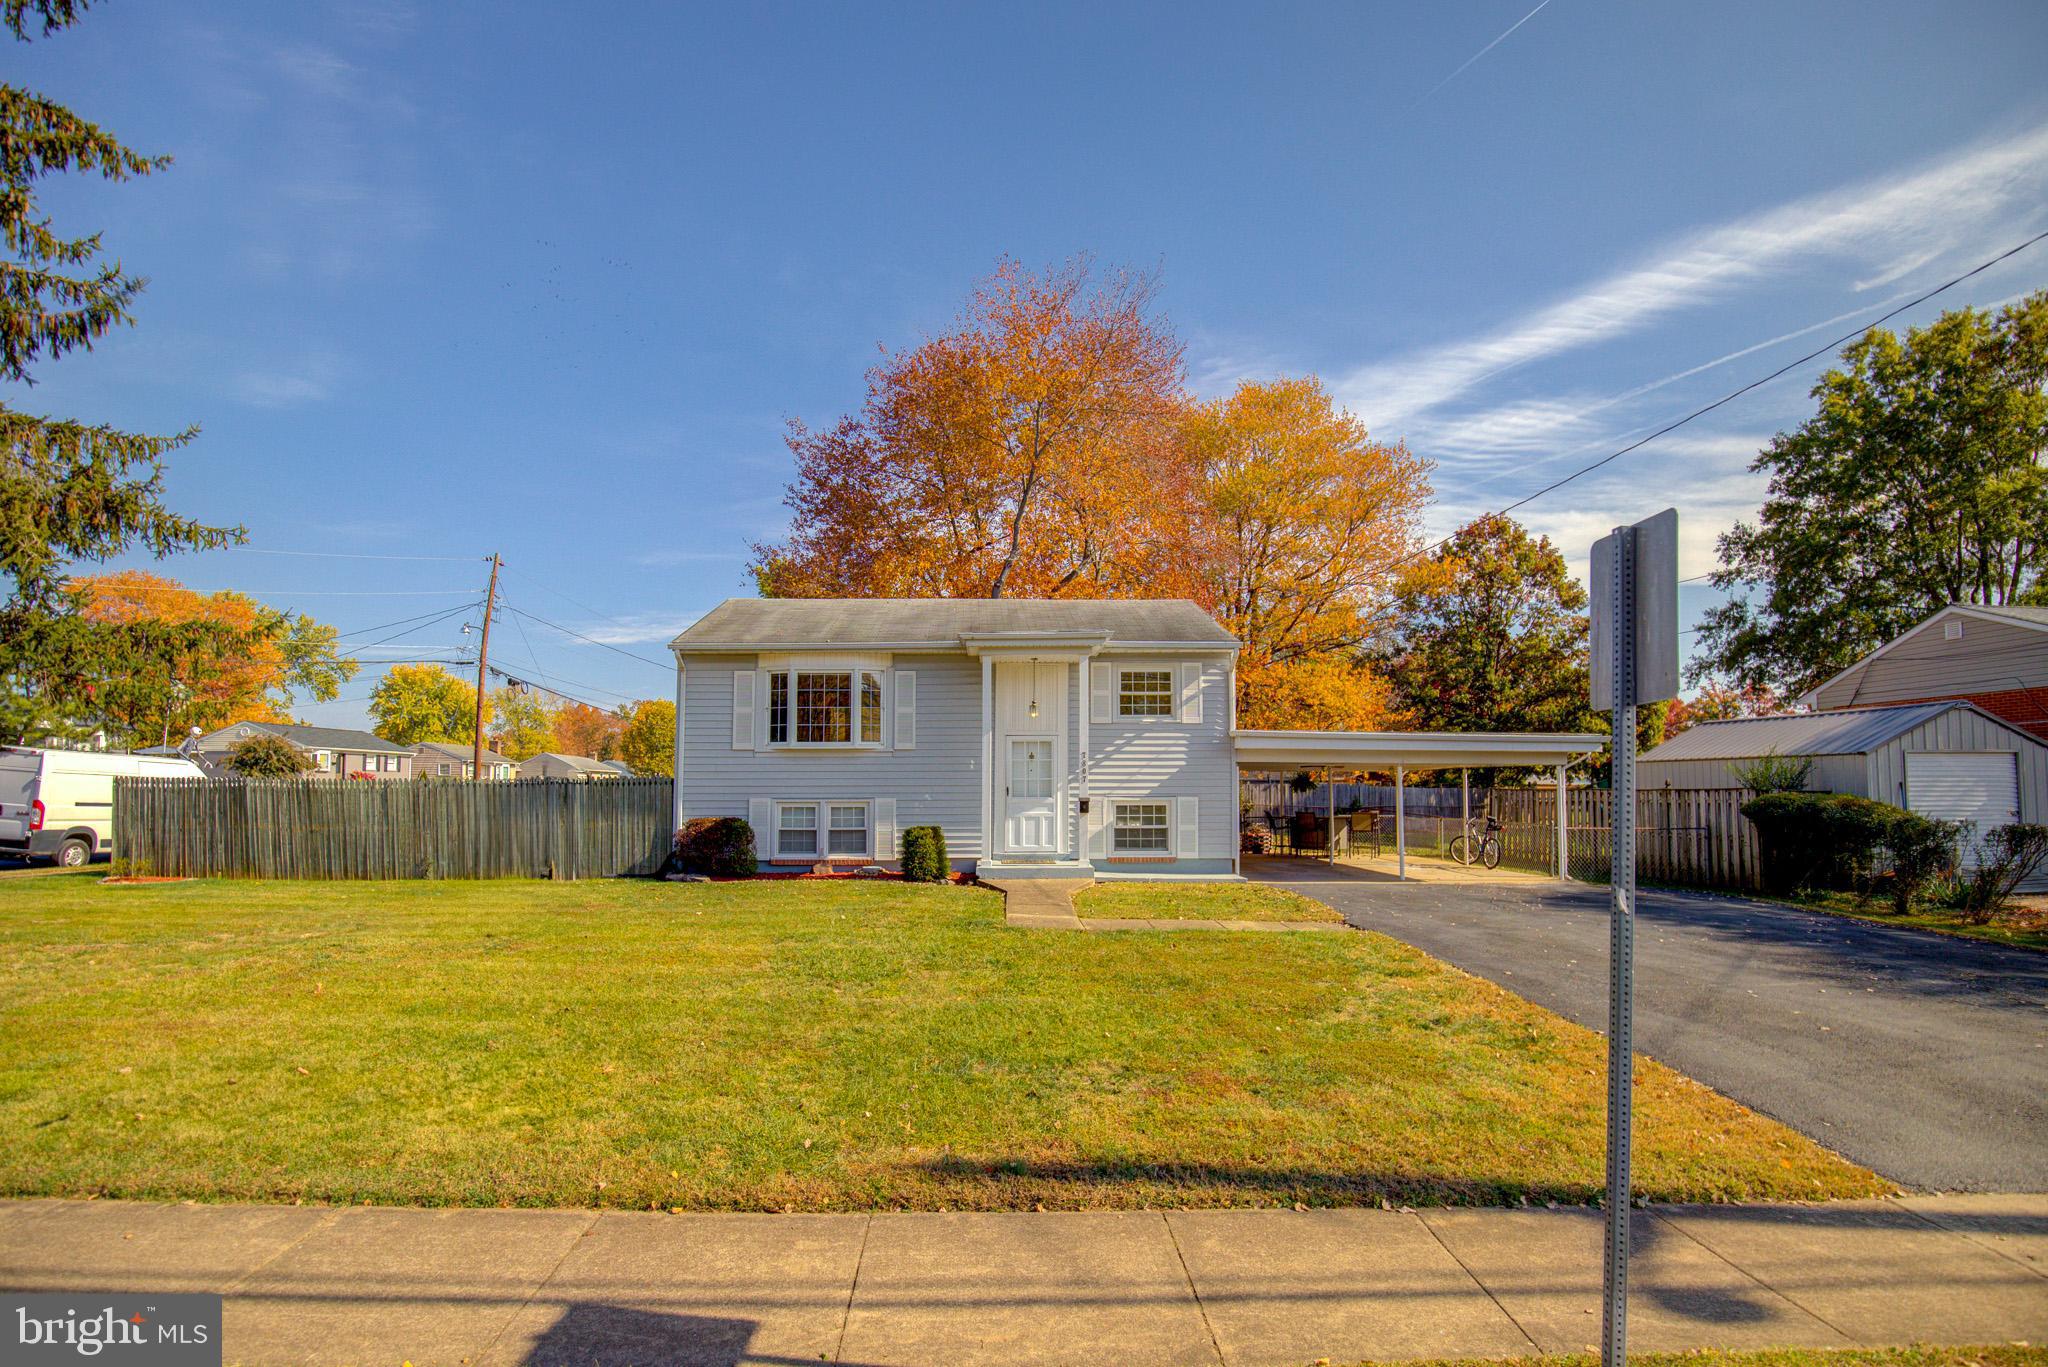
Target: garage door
x=1983 y=790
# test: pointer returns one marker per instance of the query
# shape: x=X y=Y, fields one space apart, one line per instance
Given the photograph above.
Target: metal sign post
x=1635 y=660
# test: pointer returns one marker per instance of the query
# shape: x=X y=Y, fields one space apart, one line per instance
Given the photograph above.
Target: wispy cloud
x=310 y=381
x=1888 y=224
x=638 y=628
x=659 y=558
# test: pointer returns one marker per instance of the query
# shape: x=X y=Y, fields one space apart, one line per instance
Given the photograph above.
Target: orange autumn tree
x=243 y=661
x=580 y=729
x=1305 y=522
x=1027 y=453
x=1046 y=447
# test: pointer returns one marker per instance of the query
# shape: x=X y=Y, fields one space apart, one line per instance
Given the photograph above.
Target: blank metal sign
x=1656 y=626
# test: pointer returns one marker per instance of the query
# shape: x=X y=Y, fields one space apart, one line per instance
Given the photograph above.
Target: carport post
x=1465 y=809
x=1400 y=826
x=1564 y=868
x=1329 y=817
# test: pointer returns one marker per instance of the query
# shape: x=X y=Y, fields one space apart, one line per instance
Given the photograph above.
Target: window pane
x=797 y=828
x=849 y=830
x=778 y=708
x=1145 y=693
x=871 y=708
x=1140 y=827
x=824 y=708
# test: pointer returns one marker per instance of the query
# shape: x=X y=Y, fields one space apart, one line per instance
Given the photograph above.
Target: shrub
x=1921 y=850
x=267 y=756
x=1817 y=840
x=717 y=846
x=2008 y=857
x=1775 y=773
x=924 y=855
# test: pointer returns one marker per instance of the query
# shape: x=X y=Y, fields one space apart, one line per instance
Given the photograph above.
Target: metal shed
x=1946 y=759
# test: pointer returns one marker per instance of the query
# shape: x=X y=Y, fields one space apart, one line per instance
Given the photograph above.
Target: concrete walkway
x=362 y=1284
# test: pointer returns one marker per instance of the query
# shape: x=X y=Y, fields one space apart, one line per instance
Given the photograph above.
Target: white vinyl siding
x=933 y=778
x=1189 y=765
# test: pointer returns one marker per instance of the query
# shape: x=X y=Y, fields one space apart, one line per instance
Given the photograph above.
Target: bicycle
x=1475 y=841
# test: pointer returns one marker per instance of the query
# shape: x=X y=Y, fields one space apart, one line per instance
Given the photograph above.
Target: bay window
x=824 y=707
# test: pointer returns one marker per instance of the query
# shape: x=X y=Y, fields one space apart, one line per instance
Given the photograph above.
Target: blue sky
x=443 y=280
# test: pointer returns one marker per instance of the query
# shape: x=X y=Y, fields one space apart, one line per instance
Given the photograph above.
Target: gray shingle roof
x=453 y=750
x=315 y=737
x=757 y=623
x=580 y=763
x=2036 y=615
x=1851 y=731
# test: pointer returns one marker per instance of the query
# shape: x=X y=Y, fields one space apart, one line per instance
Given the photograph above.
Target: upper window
x=824 y=707
x=1139 y=828
x=1144 y=693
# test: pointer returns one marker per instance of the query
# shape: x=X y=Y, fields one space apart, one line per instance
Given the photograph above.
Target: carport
x=1404 y=752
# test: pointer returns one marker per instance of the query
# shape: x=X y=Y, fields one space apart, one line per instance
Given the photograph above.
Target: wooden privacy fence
x=1695 y=836
x=417 y=828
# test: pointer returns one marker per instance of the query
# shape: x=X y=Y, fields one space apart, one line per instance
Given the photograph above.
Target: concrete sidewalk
x=363 y=1284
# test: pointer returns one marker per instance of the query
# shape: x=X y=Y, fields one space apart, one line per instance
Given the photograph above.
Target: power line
x=1734 y=394
x=556 y=692
x=591 y=640
x=381 y=626
x=355 y=555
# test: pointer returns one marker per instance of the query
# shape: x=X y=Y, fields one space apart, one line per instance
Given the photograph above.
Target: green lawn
x=1199 y=902
x=2026 y=928
x=809 y=1046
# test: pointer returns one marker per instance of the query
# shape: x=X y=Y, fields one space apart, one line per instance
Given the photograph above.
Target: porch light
x=1034 y=708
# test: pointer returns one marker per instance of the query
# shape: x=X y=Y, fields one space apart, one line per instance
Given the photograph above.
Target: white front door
x=1030 y=797
x=1030 y=759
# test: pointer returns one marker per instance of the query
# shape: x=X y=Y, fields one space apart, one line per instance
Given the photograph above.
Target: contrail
x=1483 y=51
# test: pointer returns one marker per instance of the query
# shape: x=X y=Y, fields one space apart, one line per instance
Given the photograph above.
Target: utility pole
x=483 y=663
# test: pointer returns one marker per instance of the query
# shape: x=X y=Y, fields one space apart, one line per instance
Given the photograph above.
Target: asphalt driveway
x=1921 y=1056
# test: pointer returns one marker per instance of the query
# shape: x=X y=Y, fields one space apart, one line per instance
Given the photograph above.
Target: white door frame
x=1008 y=723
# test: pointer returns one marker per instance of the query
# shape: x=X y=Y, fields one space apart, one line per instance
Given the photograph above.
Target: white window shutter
x=1191 y=693
x=906 y=709
x=1101 y=692
x=1190 y=829
x=760 y=811
x=1098 y=829
x=743 y=709
x=885 y=828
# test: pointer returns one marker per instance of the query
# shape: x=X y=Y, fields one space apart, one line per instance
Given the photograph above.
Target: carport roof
x=1411 y=749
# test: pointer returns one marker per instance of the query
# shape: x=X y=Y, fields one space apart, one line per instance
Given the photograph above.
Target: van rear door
x=20 y=775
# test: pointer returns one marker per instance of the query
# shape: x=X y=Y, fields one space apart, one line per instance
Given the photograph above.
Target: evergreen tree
x=69 y=490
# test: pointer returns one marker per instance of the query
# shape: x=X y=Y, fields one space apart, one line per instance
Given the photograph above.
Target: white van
x=59 y=804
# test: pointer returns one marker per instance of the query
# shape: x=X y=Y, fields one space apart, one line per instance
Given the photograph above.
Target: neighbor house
x=1994 y=657
x=333 y=750
x=548 y=764
x=1951 y=760
x=446 y=759
x=1046 y=738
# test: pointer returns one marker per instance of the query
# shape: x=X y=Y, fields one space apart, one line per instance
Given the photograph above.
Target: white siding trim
x=1191 y=694
x=1101 y=692
x=884 y=835
x=682 y=711
x=906 y=709
x=743 y=709
x=1188 y=839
